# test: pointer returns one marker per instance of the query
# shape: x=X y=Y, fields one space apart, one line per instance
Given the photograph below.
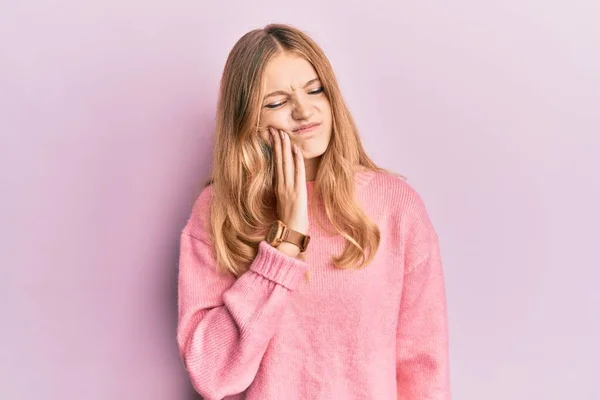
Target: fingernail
x=282 y=134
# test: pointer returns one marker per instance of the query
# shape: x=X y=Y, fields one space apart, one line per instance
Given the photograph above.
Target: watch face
x=273 y=236
x=272 y=232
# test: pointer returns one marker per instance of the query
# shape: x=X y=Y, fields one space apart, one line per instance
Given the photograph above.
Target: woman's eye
x=276 y=105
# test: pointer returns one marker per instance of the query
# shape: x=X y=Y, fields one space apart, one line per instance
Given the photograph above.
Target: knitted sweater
x=375 y=333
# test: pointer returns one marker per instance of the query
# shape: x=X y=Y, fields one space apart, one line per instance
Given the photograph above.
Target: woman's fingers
x=287 y=160
x=276 y=148
x=300 y=170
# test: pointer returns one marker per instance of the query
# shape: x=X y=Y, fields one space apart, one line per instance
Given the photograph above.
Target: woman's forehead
x=288 y=72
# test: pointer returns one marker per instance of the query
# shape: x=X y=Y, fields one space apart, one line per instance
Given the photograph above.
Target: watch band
x=297 y=238
x=279 y=232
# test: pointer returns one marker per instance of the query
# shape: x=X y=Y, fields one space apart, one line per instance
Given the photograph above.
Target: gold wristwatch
x=279 y=232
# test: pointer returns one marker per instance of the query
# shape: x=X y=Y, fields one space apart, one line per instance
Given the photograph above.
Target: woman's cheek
x=278 y=120
x=275 y=119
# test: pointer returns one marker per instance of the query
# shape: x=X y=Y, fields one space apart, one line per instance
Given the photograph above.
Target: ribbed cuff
x=278 y=267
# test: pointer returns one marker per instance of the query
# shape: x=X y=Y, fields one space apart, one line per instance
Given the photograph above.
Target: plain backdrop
x=490 y=108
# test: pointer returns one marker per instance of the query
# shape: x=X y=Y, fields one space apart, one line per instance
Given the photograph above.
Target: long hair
x=242 y=174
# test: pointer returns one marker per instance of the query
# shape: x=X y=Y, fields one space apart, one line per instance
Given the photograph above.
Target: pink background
x=490 y=108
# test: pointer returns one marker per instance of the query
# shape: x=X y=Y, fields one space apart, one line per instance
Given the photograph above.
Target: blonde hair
x=242 y=173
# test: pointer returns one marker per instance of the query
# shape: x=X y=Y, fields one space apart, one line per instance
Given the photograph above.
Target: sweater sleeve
x=224 y=324
x=422 y=336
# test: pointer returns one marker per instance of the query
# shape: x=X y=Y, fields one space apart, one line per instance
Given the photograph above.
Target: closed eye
x=277 y=105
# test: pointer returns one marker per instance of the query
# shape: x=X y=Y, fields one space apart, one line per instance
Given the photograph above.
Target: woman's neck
x=311 y=167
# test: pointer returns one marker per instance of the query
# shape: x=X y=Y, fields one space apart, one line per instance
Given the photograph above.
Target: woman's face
x=295 y=102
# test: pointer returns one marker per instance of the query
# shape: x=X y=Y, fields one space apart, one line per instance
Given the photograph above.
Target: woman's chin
x=311 y=156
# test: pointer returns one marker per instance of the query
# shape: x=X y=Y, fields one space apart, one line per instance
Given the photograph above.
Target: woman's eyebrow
x=282 y=92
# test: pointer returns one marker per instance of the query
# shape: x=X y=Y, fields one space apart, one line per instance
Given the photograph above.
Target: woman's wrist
x=289 y=248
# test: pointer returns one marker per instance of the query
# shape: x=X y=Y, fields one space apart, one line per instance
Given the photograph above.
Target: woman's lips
x=307 y=129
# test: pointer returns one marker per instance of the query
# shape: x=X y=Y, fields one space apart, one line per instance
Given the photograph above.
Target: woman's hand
x=290 y=186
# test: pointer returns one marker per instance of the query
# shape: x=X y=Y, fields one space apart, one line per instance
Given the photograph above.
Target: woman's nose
x=302 y=109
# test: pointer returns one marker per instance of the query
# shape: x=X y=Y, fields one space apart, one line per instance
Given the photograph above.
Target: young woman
x=306 y=271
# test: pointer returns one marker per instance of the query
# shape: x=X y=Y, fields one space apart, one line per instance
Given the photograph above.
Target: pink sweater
x=376 y=333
